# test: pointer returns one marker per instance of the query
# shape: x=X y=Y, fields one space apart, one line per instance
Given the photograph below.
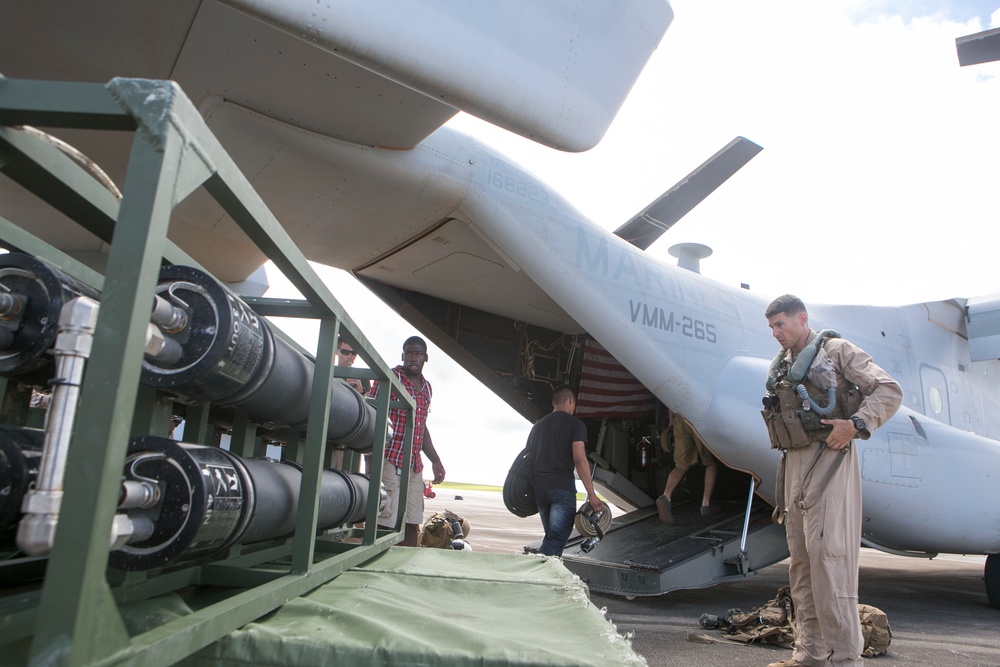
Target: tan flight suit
x=822 y=509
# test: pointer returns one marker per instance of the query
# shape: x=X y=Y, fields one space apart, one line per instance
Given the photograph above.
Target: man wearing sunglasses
x=410 y=374
x=345 y=357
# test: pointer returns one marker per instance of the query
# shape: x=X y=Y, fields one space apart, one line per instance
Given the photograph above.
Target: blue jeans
x=556 y=508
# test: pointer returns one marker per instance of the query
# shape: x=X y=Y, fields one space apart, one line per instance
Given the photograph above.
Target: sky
x=877 y=183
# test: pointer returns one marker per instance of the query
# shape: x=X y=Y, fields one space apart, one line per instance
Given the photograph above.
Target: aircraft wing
x=303 y=76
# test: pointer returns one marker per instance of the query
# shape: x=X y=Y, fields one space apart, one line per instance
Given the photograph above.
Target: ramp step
x=642 y=556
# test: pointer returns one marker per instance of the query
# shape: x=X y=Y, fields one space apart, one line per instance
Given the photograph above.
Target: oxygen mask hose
x=809 y=403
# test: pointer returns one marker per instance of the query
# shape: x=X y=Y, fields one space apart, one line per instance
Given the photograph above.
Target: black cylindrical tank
x=225 y=346
x=212 y=499
x=28 y=331
x=20 y=456
x=206 y=497
x=231 y=357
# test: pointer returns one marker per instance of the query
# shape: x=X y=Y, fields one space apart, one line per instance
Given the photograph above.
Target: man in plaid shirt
x=410 y=374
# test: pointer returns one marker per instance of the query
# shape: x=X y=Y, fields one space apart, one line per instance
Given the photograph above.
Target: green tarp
x=430 y=607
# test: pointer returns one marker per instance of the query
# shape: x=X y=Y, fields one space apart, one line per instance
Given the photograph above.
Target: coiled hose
x=518 y=494
x=831 y=400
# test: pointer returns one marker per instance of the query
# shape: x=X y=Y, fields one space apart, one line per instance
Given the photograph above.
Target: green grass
x=469 y=487
x=485 y=487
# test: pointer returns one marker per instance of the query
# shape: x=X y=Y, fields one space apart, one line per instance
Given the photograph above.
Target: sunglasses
x=346 y=353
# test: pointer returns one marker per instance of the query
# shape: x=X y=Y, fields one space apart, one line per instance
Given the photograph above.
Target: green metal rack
x=73 y=616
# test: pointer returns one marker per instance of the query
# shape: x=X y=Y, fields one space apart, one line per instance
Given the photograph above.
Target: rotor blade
x=650 y=223
x=982 y=47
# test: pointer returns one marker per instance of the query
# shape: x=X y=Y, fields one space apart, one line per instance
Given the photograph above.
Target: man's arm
x=428 y=449
x=883 y=395
x=583 y=471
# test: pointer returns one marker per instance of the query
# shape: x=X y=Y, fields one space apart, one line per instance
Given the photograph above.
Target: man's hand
x=843 y=432
x=595 y=502
x=439 y=472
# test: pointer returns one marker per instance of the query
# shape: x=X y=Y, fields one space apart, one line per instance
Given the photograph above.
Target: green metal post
x=80 y=622
x=312 y=468
x=152 y=413
x=244 y=438
x=196 y=427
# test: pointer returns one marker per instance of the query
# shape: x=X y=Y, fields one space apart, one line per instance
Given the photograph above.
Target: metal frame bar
x=75 y=617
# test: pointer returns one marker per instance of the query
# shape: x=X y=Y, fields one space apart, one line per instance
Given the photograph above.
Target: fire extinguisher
x=644 y=452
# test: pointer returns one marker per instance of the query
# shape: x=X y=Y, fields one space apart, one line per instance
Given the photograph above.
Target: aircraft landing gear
x=992 y=578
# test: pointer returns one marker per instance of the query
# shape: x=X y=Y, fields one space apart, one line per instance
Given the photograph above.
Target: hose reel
x=518 y=494
x=592 y=525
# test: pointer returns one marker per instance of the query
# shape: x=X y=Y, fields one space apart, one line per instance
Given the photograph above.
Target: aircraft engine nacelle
x=229 y=355
x=206 y=499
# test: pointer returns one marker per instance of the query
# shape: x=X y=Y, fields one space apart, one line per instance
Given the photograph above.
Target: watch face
x=859 y=423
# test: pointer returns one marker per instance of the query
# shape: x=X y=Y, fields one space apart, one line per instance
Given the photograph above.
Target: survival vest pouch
x=875 y=629
x=774 y=623
x=768 y=624
x=438 y=533
x=791 y=420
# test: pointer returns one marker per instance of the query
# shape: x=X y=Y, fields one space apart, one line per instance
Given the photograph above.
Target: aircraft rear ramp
x=640 y=556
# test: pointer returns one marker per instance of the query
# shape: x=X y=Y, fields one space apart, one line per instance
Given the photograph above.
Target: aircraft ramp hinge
x=738 y=565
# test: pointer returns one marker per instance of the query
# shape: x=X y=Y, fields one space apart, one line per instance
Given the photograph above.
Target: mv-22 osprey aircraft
x=334 y=110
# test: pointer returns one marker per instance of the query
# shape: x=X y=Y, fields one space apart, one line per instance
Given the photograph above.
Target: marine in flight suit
x=819 y=494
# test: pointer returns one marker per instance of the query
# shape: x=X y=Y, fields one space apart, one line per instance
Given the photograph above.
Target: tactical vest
x=793 y=421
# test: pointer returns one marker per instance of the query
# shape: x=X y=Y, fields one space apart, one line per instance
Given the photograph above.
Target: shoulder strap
x=772 y=371
x=802 y=363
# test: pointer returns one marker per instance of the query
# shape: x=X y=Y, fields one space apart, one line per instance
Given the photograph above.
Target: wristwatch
x=859 y=423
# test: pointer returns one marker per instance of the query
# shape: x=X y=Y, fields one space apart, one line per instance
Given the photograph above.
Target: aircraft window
x=937 y=405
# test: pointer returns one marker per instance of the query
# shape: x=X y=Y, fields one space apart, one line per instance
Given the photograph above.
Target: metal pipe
x=165 y=350
x=168 y=317
x=746 y=518
x=10 y=305
x=143 y=494
x=77 y=320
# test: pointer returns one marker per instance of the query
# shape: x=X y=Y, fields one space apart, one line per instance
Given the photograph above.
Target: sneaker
x=663 y=509
x=709 y=509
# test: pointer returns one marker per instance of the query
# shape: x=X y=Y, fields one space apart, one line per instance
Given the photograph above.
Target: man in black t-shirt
x=557 y=443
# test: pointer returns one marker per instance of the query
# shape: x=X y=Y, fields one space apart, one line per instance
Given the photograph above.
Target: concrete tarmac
x=937 y=608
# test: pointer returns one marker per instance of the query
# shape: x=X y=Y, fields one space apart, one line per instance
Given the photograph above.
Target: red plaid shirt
x=397 y=416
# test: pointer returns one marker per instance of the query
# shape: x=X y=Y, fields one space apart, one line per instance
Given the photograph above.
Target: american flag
x=607 y=389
